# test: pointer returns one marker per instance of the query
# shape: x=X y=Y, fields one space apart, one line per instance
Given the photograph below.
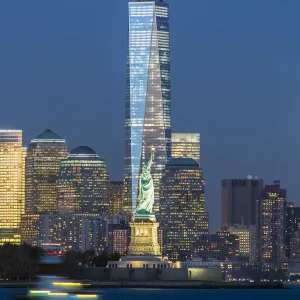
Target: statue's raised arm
x=151 y=159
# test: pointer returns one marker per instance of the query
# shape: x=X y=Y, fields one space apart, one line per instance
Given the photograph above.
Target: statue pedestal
x=144 y=238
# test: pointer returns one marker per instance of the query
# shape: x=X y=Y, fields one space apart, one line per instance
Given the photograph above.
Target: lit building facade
x=247 y=240
x=12 y=185
x=148 y=96
x=271 y=225
x=73 y=231
x=186 y=145
x=239 y=198
x=223 y=245
x=182 y=214
x=115 y=198
x=83 y=183
x=290 y=227
x=118 y=238
x=42 y=168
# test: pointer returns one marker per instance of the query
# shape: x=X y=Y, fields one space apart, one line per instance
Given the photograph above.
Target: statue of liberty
x=146 y=194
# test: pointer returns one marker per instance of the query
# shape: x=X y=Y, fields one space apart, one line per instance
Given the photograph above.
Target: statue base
x=144 y=237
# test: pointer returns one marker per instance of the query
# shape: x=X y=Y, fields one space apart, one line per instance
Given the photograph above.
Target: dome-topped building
x=83 y=183
x=83 y=152
x=41 y=170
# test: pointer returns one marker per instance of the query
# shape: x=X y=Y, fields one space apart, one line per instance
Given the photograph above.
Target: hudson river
x=222 y=294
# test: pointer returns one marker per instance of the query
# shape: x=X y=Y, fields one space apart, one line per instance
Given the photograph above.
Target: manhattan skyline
x=234 y=80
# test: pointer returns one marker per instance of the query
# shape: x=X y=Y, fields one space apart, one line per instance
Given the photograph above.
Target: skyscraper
x=115 y=198
x=239 y=198
x=148 y=96
x=12 y=185
x=83 y=183
x=42 y=167
x=182 y=213
x=186 y=145
x=290 y=227
x=270 y=225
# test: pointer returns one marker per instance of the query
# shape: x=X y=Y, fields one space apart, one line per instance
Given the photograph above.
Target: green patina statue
x=146 y=189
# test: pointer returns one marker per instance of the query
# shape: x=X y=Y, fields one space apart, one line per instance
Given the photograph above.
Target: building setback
x=148 y=96
x=182 y=214
x=186 y=145
x=239 y=198
x=83 y=183
x=12 y=185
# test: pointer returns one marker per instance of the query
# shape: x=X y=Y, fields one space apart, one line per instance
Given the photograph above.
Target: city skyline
x=227 y=152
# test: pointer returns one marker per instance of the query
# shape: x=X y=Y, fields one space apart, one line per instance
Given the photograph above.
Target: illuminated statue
x=146 y=189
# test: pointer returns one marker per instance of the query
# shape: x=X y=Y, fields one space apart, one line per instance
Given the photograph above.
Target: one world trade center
x=148 y=96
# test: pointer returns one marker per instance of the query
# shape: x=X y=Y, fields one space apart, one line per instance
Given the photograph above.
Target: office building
x=271 y=225
x=115 y=198
x=73 y=231
x=12 y=185
x=186 y=145
x=118 y=238
x=30 y=229
x=247 y=240
x=290 y=227
x=222 y=246
x=239 y=198
x=297 y=214
x=42 y=168
x=83 y=183
x=182 y=214
x=148 y=96
x=295 y=244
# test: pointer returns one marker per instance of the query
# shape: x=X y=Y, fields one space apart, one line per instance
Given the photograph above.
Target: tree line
x=19 y=262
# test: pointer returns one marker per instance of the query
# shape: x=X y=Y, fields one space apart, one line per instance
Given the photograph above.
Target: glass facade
x=148 y=97
x=83 y=183
x=42 y=167
x=115 y=198
x=182 y=213
x=12 y=185
x=186 y=145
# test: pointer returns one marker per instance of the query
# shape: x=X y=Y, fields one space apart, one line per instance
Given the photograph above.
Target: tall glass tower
x=12 y=185
x=148 y=96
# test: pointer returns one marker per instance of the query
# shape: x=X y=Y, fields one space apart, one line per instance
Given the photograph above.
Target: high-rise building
x=297 y=214
x=42 y=168
x=247 y=240
x=115 y=198
x=271 y=225
x=222 y=245
x=295 y=244
x=83 y=183
x=148 y=96
x=182 y=214
x=239 y=198
x=186 y=145
x=12 y=185
x=72 y=231
x=290 y=227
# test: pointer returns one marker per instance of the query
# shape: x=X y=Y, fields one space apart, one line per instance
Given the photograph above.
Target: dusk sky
x=235 y=79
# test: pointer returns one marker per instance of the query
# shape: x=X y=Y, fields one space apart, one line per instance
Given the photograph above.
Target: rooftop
x=83 y=152
x=48 y=135
x=182 y=162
